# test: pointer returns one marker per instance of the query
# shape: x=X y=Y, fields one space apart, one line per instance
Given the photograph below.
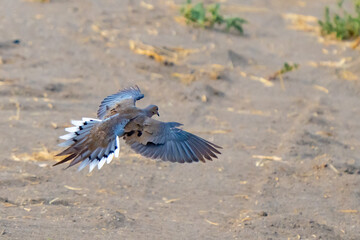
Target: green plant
x=345 y=26
x=208 y=16
x=288 y=67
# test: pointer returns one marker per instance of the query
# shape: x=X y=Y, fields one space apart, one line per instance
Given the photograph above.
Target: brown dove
x=96 y=141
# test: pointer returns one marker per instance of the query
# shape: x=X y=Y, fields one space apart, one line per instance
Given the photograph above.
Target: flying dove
x=96 y=141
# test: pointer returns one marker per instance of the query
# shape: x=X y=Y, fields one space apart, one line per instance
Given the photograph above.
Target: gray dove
x=96 y=141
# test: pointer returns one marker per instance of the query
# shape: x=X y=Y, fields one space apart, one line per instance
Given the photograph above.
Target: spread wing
x=124 y=98
x=160 y=140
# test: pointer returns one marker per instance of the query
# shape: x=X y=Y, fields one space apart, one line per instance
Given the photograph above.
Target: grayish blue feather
x=111 y=101
x=175 y=145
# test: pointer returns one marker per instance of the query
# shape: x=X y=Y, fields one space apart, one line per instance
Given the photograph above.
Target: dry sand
x=290 y=167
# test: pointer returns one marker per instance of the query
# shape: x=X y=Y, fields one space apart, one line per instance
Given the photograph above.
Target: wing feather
x=167 y=142
x=131 y=95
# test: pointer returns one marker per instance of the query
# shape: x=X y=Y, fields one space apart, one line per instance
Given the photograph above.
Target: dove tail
x=80 y=147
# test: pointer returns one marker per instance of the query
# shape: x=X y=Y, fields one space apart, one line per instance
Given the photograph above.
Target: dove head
x=151 y=110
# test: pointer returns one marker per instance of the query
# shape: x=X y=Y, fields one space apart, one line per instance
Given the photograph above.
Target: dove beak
x=158 y=114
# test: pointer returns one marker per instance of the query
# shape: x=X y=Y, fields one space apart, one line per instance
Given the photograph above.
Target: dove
x=94 y=141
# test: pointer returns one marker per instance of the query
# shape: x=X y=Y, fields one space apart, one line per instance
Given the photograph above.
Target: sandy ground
x=71 y=54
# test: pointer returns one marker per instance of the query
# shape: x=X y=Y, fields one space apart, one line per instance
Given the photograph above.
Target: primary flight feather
x=96 y=141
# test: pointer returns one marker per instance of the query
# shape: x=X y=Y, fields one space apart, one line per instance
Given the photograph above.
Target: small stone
x=263 y=214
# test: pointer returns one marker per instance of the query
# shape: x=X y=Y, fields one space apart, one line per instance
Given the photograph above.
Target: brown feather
x=66 y=159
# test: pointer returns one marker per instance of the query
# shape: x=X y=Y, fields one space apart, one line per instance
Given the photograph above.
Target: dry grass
x=356 y=43
x=212 y=71
x=165 y=55
x=321 y=88
x=265 y=159
x=302 y=22
x=170 y=56
x=249 y=112
x=42 y=154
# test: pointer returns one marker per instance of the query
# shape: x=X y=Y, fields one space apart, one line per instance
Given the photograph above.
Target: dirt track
x=74 y=53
